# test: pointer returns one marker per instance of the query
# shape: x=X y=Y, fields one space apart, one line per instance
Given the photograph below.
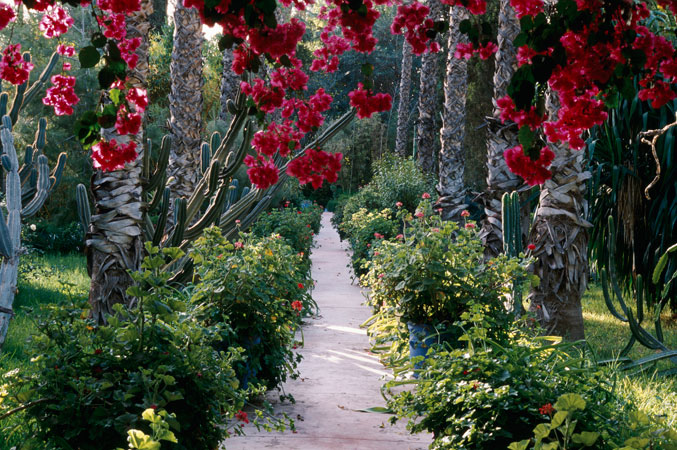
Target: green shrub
x=49 y=237
x=296 y=226
x=366 y=229
x=401 y=180
x=489 y=395
x=89 y=384
x=257 y=286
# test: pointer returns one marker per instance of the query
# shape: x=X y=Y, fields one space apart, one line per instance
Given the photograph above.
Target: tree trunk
x=427 y=101
x=452 y=158
x=561 y=239
x=230 y=83
x=115 y=238
x=158 y=18
x=185 y=102
x=500 y=137
x=403 y=107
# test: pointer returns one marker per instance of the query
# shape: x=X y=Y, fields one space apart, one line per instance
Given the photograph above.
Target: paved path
x=338 y=375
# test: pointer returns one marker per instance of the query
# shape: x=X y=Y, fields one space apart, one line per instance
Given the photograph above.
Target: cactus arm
x=161 y=170
x=4 y=99
x=18 y=99
x=179 y=221
x=82 y=201
x=146 y=159
x=607 y=298
x=58 y=171
x=158 y=195
x=6 y=246
x=28 y=163
x=162 y=219
x=42 y=79
x=210 y=215
x=43 y=187
x=205 y=157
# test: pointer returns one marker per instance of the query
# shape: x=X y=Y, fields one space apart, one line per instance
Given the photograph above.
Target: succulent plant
x=215 y=200
x=27 y=187
x=512 y=238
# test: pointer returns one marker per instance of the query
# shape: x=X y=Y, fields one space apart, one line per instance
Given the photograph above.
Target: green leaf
x=99 y=40
x=541 y=431
x=526 y=136
x=377 y=409
x=662 y=262
x=570 y=402
x=521 y=445
x=367 y=69
x=586 y=438
x=114 y=95
x=89 y=57
x=148 y=414
x=558 y=419
x=168 y=436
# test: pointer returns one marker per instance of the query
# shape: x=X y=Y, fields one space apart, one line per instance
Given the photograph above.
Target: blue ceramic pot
x=249 y=371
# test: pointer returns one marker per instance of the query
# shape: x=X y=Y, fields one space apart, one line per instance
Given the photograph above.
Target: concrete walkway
x=338 y=375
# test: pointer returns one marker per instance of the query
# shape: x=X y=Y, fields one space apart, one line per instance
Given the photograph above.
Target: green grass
x=606 y=336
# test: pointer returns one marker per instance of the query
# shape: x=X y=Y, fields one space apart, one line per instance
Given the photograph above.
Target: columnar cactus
x=215 y=200
x=28 y=185
x=512 y=238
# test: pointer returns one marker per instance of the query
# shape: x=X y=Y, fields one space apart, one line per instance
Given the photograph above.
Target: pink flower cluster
x=7 y=15
x=316 y=166
x=413 y=21
x=467 y=50
x=112 y=155
x=13 y=67
x=368 y=104
x=55 y=22
x=61 y=95
x=533 y=172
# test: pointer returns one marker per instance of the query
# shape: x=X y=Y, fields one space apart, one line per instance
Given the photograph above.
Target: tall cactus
x=512 y=239
x=215 y=200
x=32 y=178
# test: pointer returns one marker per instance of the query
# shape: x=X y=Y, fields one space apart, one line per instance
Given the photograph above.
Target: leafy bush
x=366 y=229
x=401 y=180
x=49 y=237
x=297 y=227
x=89 y=384
x=489 y=395
x=257 y=286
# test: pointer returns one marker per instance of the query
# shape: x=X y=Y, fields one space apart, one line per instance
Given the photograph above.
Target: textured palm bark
x=114 y=241
x=403 y=108
x=560 y=235
x=427 y=101
x=500 y=137
x=185 y=102
x=452 y=159
x=230 y=83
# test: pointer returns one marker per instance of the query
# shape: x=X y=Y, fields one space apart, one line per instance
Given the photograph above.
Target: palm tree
x=452 y=159
x=499 y=178
x=560 y=235
x=115 y=241
x=230 y=83
x=185 y=101
x=427 y=101
x=403 y=108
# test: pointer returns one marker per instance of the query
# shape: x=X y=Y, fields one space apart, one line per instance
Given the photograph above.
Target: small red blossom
x=546 y=409
x=300 y=285
x=7 y=15
x=533 y=172
x=465 y=372
x=112 y=155
x=98 y=351
x=465 y=213
x=13 y=67
x=399 y=236
x=153 y=406
x=367 y=103
x=419 y=214
x=242 y=416
x=296 y=305
x=238 y=245
x=55 y=22
x=378 y=236
x=65 y=50
x=469 y=226
x=398 y=204
x=61 y=95
x=425 y=195
x=531 y=247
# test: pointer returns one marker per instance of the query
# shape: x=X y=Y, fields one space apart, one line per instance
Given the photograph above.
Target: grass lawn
x=63 y=278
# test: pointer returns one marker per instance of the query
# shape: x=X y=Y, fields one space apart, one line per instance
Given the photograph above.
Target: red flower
x=13 y=67
x=7 y=15
x=112 y=155
x=465 y=213
x=153 y=406
x=531 y=247
x=398 y=204
x=533 y=172
x=425 y=195
x=97 y=351
x=62 y=95
x=300 y=285
x=242 y=416
x=368 y=104
x=419 y=214
x=296 y=305
x=238 y=244
x=399 y=236
x=55 y=22
x=469 y=226
x=546 y=409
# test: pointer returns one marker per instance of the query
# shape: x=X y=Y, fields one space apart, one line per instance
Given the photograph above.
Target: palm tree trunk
x=115 y=238
x=403 y=108
x=230 y=83
x=500 y=137
x=427 y=101
x=452 y=158
x=560 y=235
x=185 y=101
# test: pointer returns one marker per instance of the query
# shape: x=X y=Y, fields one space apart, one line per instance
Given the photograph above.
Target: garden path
x=339 y=376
